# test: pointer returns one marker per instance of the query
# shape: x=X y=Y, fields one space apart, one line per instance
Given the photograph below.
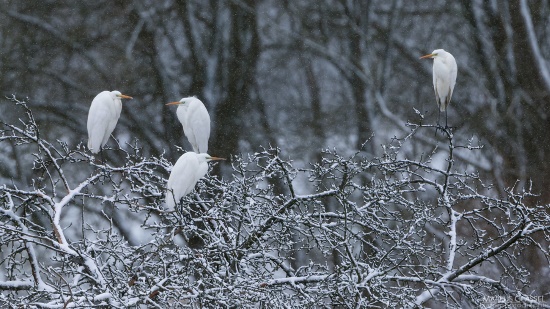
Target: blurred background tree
x=299 y=75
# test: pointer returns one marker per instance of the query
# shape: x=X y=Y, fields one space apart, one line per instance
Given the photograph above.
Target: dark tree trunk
x=244 y=50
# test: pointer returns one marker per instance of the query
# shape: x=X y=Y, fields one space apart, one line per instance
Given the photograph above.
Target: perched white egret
x=444 y=78
x=102 y=118
x=195 y=121
x=185 y=174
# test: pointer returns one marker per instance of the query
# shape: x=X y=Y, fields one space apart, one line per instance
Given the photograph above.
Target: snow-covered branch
x=399 y=232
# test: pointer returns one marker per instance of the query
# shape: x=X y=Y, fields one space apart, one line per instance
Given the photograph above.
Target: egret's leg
x=102 y=157
x=446 y=126
x=103 y=163
x=438 y=119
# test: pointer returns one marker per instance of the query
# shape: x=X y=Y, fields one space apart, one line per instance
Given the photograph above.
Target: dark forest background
x=301 y=75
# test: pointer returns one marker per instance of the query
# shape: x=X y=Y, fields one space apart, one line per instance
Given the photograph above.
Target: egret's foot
x=445 y=127
x=451 y=128
x=439 y=127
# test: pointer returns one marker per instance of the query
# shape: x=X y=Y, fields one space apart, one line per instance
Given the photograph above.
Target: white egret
x=444 y=79
x=195 y=121
x=185 y=174
x=102 y=118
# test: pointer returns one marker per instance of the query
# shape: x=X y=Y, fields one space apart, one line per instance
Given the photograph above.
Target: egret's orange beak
x=123 y=96
x=427 y=56
x=173 y=103
x=216 y=158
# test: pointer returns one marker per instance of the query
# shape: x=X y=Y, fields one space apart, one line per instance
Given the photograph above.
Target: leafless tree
x=418 y=232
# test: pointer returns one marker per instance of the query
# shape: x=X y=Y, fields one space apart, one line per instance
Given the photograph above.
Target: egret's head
x=182 y=101
x=119 y=95
x=434 y=54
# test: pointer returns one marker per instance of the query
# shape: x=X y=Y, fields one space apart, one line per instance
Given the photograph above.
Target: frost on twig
x=400 y=232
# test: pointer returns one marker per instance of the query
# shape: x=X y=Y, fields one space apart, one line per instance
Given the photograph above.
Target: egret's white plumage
x=195 y=120
x=185 y=174
x=444 y=77
x=103 y=117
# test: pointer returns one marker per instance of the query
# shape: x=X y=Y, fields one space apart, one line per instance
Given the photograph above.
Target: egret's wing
x=110 y=128
x=454 y=71
x=182 y=179
x=181 y=112
x=184 y=111
x=201 y=171
x=434 y=77
x=190 y=134
x=199 y=124
x=100 y=121
x=442 y=83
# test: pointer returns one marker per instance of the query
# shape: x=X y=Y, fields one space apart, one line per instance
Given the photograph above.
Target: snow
x=295 y=280
x=102 y=297
x=454 y=217
x=17 y=284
